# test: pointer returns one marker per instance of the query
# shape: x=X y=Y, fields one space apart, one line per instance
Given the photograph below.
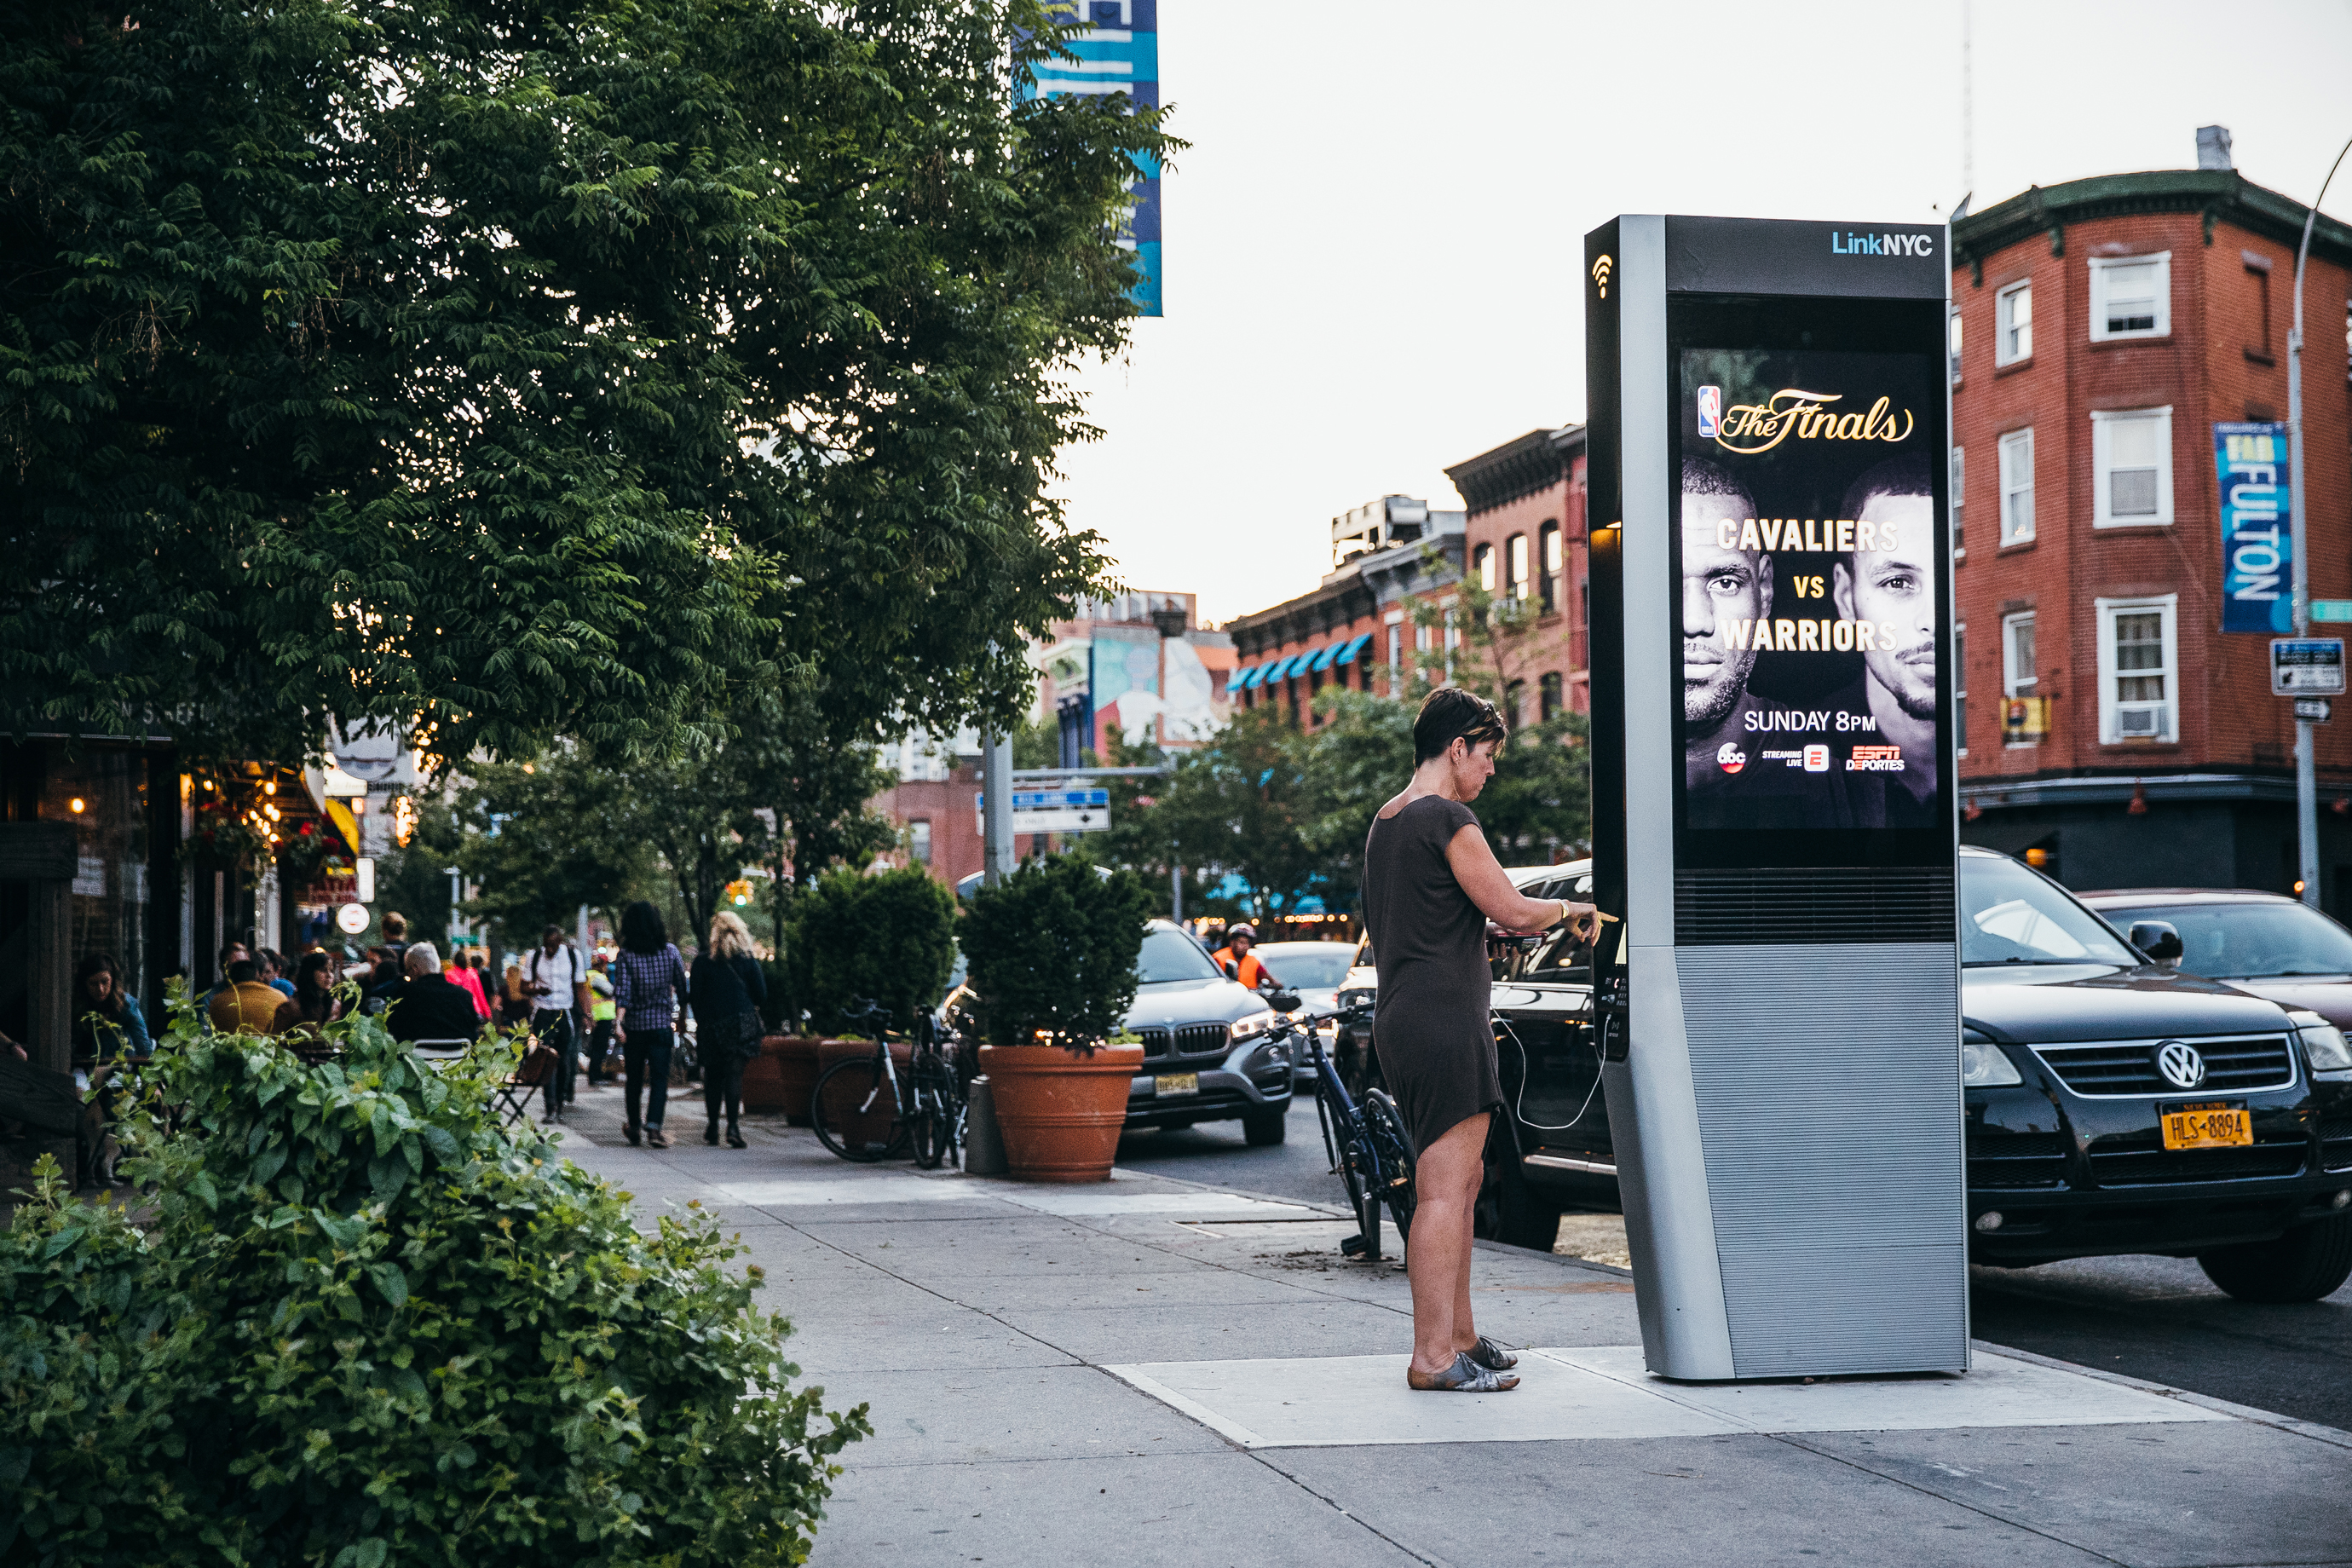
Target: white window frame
x=2010 y=686
x=1961 y=686
x=2010 y=441
x=2167 y=606
x=2003 y=304
x=2103 y=422
x=2101 y=266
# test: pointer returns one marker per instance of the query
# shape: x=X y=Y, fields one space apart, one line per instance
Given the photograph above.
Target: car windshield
x=1171 y=956
x=2250 y=941
x=2013 y=915
x=1316 y=968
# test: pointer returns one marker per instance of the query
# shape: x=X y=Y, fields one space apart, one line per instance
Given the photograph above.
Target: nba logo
x=1710 y=412
x=1817 y=758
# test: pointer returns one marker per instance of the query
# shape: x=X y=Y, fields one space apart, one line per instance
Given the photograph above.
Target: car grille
x=2336 y=1142
x=2008 y=1160
x=2128 y=1066
x=1191 y=1040
x=2141 y=1160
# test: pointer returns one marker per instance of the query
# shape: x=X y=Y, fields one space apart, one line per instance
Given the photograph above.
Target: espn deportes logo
x=1875 y=760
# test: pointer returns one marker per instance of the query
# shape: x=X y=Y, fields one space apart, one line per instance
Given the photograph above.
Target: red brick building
x=1526 y=539
x=2110 y=728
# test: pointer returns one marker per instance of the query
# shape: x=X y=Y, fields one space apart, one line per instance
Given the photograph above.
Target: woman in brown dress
x=1430 y=884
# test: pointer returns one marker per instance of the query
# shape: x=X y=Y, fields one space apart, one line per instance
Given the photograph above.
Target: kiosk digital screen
x=1811 y=552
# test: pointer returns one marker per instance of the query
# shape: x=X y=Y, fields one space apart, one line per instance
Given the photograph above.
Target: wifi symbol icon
x=1600 y=275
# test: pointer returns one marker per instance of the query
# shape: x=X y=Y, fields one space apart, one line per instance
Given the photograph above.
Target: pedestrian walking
x=603 y=1011
x=1430 y=885
x=557 y=982
x=651 y=988
x=728 y=991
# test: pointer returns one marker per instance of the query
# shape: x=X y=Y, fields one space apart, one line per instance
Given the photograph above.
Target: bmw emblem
x=2179 y=1062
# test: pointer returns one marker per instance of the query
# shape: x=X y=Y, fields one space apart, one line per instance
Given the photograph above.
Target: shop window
x=2131 y=457
x=2139 y=661
x=2131 y=297
x=2013 y=324
x=2017 y=487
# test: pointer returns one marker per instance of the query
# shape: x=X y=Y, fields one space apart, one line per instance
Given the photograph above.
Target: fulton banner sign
x=2257 y=528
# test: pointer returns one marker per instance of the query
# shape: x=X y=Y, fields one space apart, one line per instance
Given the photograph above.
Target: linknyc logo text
x=1851 y=243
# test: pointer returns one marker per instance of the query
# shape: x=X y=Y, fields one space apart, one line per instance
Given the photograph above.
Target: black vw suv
x=2113 y=1106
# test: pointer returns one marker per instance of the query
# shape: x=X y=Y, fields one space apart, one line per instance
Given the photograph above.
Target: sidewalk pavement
x=1151 y=1370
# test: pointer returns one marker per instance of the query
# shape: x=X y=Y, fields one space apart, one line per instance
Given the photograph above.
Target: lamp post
x=2306 y=785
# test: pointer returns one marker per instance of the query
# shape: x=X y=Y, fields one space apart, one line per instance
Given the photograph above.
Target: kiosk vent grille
x=1782 y=906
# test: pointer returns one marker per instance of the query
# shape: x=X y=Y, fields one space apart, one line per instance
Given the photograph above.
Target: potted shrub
x=784 y=1075
x=1052 y=953
x=890 y=936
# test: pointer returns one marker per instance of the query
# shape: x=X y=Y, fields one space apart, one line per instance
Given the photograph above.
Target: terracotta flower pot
x=874 y=1126
x=1060 y=1110
x=780 y=1077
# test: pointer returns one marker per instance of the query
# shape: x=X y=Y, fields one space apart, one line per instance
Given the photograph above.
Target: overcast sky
x=1372 y=246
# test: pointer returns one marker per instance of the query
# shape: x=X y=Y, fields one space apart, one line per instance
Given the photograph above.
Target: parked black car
x=2112 y=1104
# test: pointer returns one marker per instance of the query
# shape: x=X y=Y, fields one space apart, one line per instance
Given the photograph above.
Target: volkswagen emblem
x=2179 y=1062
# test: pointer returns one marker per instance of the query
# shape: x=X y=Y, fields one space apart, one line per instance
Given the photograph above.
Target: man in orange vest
x=1235 y=958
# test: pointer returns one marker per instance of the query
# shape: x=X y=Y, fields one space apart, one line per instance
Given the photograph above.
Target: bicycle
x=1365 y=1142
x=864 y=1111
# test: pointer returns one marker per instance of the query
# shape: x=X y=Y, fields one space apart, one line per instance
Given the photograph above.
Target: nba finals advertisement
x=1811 y=521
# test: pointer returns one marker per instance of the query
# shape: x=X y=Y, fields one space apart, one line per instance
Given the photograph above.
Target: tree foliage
x=889 y=937
x=369 y=1324
x=513 y=370
x=1052 y=951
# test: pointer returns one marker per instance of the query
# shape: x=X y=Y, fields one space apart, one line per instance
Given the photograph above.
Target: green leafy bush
x=368 y=1325
x=891 y=936
x=1052 y=949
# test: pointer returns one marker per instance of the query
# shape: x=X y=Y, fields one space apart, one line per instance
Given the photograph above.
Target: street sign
x=351 y=919
x=1053 y=810
x=2318 y=709
x=2307 y=667
x=2331 y=609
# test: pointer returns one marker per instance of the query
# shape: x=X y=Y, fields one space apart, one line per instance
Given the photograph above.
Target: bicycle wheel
x=1385 y=1129
x=854 y=1113
x=929 y=1126
x=1354 y=1171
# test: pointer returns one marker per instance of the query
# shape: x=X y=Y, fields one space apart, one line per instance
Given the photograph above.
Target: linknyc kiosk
x=1773 y=783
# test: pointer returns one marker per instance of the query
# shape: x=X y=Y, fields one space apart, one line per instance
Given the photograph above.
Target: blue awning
x=1348 y=655
x=1323 y=660
x=1258 y=672
x=1240 y=674
x=1300 y=663
x=1275 y=670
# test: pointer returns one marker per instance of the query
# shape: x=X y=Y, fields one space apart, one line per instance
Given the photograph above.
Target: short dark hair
x=228 y=947
x=1452 y=714
x=1701 y=478
x=244 y=971
x=641 y=930
x=1907 y=475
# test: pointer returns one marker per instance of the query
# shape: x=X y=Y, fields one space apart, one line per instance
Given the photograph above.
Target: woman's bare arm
x=1481 y=877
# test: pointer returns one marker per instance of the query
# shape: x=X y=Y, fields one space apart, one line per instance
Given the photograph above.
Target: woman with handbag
x=728 y=991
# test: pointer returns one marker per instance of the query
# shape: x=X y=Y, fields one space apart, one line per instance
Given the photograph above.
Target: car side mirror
x=2157 y=938
x=1284 y=1002
x=1232 y=970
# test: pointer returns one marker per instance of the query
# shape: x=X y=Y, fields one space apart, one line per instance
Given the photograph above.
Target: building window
x=1515 y=704
x=1952 y=332
x=1517 y=561
x=1960 y=501
x=2013 y=324
x=1960 y=689
x=1396 y=653
x=1548 y=543
x=2131 y=297
x=1482 y=561
x=918 y=841
x=2131 y=457
x=2017 y=487
x=1548 y=696
x=2017 y=676
x=2139 y=663
x=2258 y=275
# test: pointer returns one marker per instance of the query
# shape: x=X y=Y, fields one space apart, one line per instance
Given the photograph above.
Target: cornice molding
x=2222 y=195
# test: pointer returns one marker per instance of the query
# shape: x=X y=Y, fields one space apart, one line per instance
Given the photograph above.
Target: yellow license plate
x=1169 y=1083
x=2207 y=1127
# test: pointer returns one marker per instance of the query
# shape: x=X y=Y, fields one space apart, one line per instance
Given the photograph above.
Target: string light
x=76 y=804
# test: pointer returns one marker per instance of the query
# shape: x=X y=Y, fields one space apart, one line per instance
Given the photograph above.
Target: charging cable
x=1527 y=1067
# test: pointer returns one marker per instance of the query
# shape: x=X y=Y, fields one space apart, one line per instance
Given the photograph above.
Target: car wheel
x=1265 y=1128
x=2301 y=1265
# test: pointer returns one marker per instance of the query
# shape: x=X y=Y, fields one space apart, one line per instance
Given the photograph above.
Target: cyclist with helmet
x=1236 y=960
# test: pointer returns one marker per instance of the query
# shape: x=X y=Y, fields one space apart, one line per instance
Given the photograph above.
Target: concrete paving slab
x=921 y=1246
x=1304 y=1326
x=1210 y=1290
x=1039 y=1412
x=1180 y=1510
x=880 y=1187
x=1086 y=1203
x=1996 y=1392
x=946 y=1339
x=2159 y=1496
x=1350 y=1401
x=1661 y=1502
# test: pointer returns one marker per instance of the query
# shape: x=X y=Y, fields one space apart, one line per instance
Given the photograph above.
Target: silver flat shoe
x=1464 y=1376
x=1491 y=1356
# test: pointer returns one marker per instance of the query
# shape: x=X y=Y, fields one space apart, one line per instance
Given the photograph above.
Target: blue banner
x=1118 y=53
x=2257 y=528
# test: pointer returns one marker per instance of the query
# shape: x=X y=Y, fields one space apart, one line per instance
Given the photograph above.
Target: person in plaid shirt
x=649 y=985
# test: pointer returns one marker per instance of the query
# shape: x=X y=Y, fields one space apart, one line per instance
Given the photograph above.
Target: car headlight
x=2323 y=1049
x=1247 y=1029
x=1984 y=1065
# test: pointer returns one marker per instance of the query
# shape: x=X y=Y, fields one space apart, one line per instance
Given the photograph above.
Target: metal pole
x=2306 y=785
x=1176 y=892
x=996 y=807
